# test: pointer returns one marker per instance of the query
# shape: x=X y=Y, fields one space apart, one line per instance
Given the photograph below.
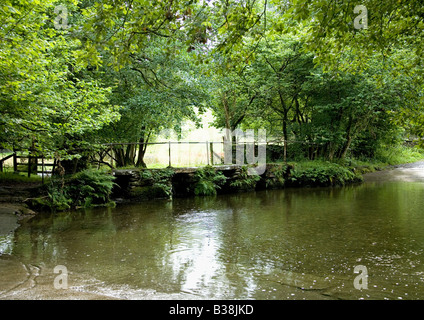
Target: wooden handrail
x=7 y=157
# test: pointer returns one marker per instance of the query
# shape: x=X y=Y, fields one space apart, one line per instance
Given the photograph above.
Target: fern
x=89 y=187
x=160 y=180
x=322 y=174
x=208 y=181
x=244 y=181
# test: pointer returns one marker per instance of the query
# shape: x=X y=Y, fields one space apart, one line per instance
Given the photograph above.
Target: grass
x=386 y=156
x=394 y=155
x=20 y=177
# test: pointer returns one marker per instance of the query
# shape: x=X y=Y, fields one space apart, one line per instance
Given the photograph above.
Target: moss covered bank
x=99 y=188
x=144 y=184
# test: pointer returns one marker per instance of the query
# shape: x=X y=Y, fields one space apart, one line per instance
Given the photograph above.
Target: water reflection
x=282 y=244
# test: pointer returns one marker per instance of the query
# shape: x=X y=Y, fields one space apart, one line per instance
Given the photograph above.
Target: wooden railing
x=209 y=149
x=30 y=166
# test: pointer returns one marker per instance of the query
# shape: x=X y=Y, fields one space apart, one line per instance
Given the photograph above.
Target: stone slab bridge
x=143 y=184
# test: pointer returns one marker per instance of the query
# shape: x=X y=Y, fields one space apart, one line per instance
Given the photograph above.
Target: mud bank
x=10 y=215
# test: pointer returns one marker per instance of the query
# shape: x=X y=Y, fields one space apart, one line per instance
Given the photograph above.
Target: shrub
x=160 y=182
x=89 y=187
x=276 y=175
x=57 y=196
x=83 y=189
x=321 y=174
x=207 y=181
x=244 y=181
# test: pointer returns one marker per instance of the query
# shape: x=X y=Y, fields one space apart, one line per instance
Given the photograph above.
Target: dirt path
x=409 y=172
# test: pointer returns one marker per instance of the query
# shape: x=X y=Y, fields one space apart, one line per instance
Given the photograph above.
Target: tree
x=331 y=29
x=42 y=100
x=233 y=98
x=326 y=111
x=123 y=28
x=157 y=91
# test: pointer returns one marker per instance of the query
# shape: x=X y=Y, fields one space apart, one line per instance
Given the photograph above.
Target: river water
x=280 y=244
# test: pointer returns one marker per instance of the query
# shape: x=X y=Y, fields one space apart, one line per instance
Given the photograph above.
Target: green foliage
x=244 y=181
x=58 y=199
x=394 y=155
x=276 y=175
x=89 y=187
x=331 y=30
x=207 y=181
x=46 y=97
x=320 y=173
x=160 y=182
x=85 y=189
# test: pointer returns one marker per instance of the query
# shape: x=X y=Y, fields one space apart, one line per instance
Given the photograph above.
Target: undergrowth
x=244 y=181
x=394 y=155
x=84 y=189
x=160 y=181
x=208 y=181
x=321 y=173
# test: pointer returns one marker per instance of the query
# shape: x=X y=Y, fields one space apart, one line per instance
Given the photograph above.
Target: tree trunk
x=346 y=147
x=124 y=156
x=130 y=155
x=119 y=155
x=285 y=141
x=141 y=152
x=331 y=151
x=285 y=112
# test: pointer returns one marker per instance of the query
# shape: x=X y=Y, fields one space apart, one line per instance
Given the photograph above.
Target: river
x=279 y=244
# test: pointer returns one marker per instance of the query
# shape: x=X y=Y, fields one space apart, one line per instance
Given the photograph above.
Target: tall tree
x=42 y=101
x=158 y=91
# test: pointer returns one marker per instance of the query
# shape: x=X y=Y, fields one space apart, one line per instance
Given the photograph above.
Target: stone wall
x=144 y=184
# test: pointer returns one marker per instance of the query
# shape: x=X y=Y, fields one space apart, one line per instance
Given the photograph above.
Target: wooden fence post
x=29 y=165
x=110 y=154
x=207 y=151
x=169 y=152
x=211 y=151
x=42 y=169
x=15 y=163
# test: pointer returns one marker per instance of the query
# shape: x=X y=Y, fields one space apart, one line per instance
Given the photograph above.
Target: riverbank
x=135 y=185
x=408 y=172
